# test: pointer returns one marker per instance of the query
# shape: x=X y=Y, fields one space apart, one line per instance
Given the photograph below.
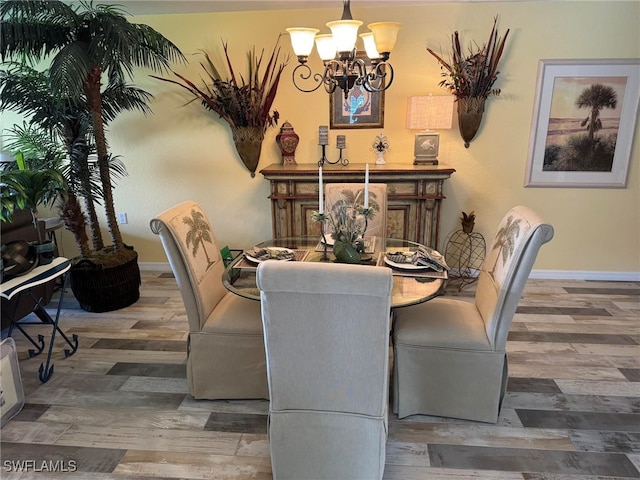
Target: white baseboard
x=535 y=274
x=155 y=266
x=585 y=275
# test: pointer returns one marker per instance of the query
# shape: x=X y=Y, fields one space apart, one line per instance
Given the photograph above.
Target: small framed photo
x=11 y=393
x=583 y=123
x=361 y=108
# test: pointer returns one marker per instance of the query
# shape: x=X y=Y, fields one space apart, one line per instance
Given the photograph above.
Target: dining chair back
x=353 y=193
x=225 y=350
x=450 y=355
x=326 y=330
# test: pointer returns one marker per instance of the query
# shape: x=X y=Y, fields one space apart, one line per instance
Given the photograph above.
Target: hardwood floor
x=119 y=407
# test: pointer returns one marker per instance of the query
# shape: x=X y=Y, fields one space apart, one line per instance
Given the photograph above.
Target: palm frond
x=120 y=97
x=34 y=28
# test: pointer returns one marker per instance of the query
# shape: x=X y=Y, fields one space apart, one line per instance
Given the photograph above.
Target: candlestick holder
x=367 y=213
x=321 y=218
x=324 y=159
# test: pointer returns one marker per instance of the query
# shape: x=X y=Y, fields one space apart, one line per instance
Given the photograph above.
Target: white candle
x=320 y=192
x=366 y=187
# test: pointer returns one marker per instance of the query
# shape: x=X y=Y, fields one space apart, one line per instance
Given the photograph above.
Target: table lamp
x=426 y=112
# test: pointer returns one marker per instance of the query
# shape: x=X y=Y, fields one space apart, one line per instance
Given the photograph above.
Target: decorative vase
x=248 y=141
x=470 y=111
x=287 y=140
x=345 y=252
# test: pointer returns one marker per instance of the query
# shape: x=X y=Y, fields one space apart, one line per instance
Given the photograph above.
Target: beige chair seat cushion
x=235 y=315
x=441 y=322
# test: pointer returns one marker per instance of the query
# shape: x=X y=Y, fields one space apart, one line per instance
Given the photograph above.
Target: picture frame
x=11 y=392
x=368 y=107
x=583 y=123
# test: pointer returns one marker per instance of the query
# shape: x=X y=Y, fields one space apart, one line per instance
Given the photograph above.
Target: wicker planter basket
x=103 y=289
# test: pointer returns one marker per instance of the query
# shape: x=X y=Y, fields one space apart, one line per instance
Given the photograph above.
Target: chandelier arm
x=305 y=74
x=330 y=87
x=381 y=72
x=328 y=78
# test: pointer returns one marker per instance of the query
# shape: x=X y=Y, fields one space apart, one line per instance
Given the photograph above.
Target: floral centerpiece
x=470 y=77
x=348 y=219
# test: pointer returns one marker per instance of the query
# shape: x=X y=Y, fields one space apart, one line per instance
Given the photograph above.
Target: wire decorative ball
x=464 y=254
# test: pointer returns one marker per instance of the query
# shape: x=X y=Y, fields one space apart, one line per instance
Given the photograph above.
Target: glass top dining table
x=411 y=285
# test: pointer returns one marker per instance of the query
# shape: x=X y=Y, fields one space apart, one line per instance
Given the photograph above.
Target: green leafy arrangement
x=240 y=101
x=24 y=188
x=472 y=75
x=348 y=216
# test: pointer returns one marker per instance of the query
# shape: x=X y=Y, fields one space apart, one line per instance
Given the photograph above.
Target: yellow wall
x=184 y=152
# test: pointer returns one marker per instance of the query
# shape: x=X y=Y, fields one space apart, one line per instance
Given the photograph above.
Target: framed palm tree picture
x=583 y=123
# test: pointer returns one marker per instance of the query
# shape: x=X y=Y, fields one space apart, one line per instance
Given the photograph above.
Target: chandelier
x=342 y=67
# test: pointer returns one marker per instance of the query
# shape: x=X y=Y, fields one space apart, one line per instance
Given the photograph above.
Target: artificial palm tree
x=59 y=128
x=86 y=46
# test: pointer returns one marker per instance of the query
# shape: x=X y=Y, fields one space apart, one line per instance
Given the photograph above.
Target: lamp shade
x=345 y=34
x=385 y=35
x=302 y=40
x=430 y=112
x=369 y=45
x=326 y=47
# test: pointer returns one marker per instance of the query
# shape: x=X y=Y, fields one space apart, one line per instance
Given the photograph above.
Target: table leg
x=46 y=370
x=39 y=345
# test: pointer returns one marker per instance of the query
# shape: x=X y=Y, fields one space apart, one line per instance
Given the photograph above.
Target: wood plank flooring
x=119 y=408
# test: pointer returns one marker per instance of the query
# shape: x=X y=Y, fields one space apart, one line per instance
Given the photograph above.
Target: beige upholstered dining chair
x=225 y=351
x=354 y=193
x=326 y=330
x=450 y=355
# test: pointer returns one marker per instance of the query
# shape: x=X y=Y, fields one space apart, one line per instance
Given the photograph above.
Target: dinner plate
x=405 y=266
x=273 y=252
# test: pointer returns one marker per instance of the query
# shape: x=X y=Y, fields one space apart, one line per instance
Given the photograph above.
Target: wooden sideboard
x=414 y=197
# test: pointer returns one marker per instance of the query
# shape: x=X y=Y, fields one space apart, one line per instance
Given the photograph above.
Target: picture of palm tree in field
x=199 y=232
x=583 y=124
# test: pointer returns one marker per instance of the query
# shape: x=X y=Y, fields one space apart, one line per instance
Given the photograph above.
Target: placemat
x=425 y=273
x=299 y=256
x=369 y=245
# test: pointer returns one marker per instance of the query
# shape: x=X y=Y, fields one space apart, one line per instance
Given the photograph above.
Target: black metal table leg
x=46 y=370
x=23 y=285
x=39 y=345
